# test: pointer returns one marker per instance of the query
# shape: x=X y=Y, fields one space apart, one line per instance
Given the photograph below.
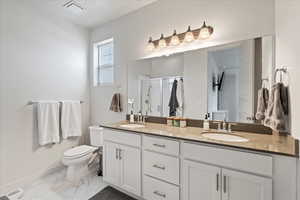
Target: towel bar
x=33 y=102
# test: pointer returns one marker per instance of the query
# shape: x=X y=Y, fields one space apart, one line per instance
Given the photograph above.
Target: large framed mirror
x=222 y=81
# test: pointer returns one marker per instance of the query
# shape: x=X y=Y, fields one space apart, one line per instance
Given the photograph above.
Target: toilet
x=77 y=158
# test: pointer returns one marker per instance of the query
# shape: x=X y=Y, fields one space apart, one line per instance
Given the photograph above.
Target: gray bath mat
x=110 y=193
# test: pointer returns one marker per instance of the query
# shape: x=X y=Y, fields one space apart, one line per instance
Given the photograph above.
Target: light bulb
x=175 y=39
x=150 y=45
x=205 y=32
x=162 y=42
x=189 y=35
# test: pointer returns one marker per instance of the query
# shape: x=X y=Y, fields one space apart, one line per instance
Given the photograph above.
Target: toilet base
x=76 y=172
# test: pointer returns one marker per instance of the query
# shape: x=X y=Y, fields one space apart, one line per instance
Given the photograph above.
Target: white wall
x=287 y=52
x=44 y=58
x=195 y=84
x=1 y=88
x=232 y=19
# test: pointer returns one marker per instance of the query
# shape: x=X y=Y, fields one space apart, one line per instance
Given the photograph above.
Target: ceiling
x=95 y=13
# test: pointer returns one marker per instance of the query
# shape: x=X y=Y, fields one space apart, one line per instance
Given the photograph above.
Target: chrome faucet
x=223 y=127
x=141 y=119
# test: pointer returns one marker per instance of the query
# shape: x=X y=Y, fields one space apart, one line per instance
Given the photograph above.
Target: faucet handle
x=219 y=123
x=230 y=126
x=224 y=124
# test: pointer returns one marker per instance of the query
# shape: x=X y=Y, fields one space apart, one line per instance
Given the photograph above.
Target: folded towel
x=180 y=98
x=48 y=122
x=71 y=119
x=173 y=103
x=116 y=105
x=262 y=103
x=277 y=108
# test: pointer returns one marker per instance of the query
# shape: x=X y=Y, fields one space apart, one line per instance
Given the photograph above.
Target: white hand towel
x=71 y=119
x=48 y=122
x=276 y=115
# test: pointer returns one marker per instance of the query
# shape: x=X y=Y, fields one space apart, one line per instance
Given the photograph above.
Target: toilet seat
x=78 y=152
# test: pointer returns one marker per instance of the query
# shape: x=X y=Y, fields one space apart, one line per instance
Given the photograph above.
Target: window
x=104 y=63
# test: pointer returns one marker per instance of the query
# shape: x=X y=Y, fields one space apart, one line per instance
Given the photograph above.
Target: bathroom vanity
x=160 y=162
x=157 y=162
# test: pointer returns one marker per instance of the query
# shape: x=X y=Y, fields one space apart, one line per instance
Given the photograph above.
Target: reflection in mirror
x=222 y=81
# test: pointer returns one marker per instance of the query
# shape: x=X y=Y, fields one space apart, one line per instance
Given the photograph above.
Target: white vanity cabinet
x=201 y=180
x=237 y=185
x=122 y=161
x=222 y=178
x=111 y=163
x=160 y=168
x=214 y=183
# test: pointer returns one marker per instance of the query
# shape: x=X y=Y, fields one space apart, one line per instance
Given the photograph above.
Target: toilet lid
x=79 y=151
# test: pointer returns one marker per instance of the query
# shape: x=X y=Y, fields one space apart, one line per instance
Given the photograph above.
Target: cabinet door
x=130 y=174
x=111 y=164
x=237 y=186
x=201 y=181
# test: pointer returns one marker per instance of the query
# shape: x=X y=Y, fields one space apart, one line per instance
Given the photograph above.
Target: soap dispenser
x=206 y=122
x=131 y=118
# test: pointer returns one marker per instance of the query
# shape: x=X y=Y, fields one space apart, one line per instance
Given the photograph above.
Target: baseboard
x=27 y=180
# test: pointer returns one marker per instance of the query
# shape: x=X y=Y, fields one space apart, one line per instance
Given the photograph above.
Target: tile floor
x=54 y=187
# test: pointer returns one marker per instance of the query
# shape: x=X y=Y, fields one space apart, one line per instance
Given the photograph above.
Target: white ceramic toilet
x=77 y=158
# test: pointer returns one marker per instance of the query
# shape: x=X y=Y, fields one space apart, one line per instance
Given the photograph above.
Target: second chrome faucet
x=222 y=126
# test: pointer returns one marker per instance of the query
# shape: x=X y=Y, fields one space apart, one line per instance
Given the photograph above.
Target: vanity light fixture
x=205 y=32
x=175 y=39
x=162 y=42
x=150 y=46
x=189 y=35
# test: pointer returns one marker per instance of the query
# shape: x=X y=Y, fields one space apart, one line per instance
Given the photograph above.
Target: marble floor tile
x=54 y=187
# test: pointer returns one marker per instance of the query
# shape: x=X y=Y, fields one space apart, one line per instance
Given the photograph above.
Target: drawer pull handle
x=159 y=167
x=159 y=194
x=117 y=154
x=160 y=145
x=224 y=184
x=120 y=154
x=217 y=182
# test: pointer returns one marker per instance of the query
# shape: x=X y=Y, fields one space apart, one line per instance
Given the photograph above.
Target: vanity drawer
x=161 y=166
x=244 y=161
x=158 y=190
x=122 y=137
x=170 y=147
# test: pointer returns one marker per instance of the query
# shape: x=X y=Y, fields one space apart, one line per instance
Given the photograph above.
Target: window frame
x=98 y=66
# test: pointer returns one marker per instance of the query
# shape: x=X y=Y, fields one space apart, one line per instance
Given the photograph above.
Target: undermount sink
x=226 y=137
x=132 y=126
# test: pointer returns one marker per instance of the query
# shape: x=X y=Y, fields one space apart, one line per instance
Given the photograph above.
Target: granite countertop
x=276 y=144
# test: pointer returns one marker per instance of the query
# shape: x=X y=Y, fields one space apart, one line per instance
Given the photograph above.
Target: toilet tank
x=96 y=136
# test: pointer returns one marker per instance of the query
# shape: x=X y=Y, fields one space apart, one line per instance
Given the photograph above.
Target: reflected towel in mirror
x=173 y=103
x=262 y=103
